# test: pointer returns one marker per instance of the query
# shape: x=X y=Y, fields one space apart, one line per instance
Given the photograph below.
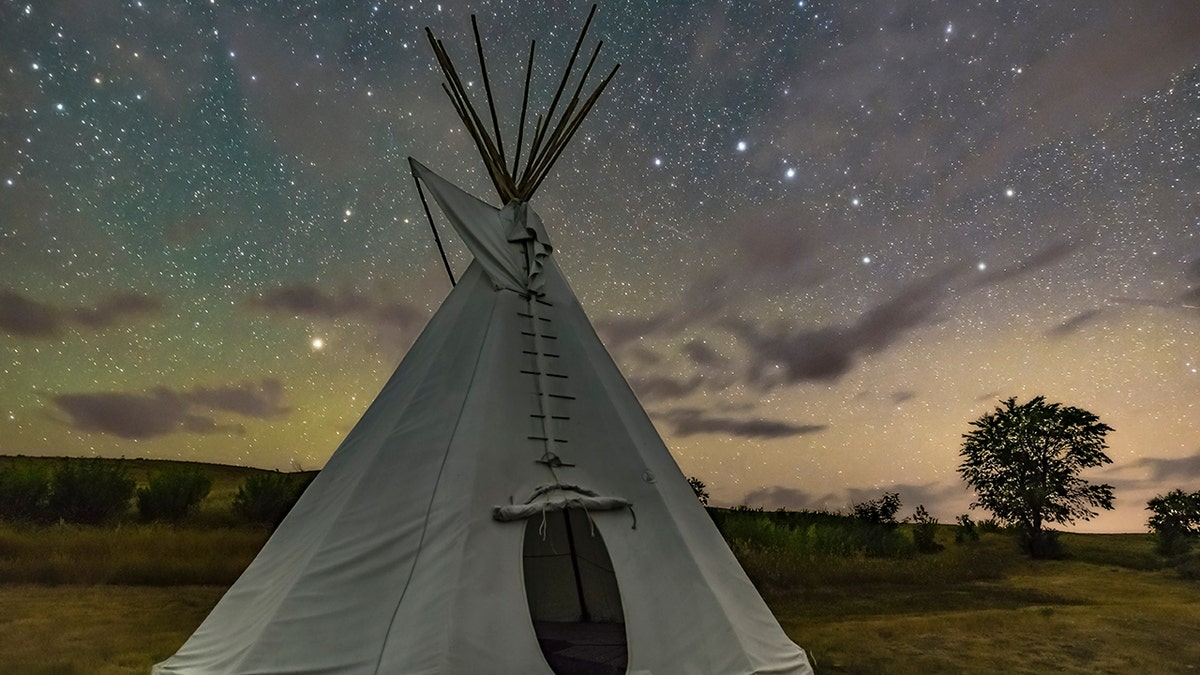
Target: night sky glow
x=819 y=237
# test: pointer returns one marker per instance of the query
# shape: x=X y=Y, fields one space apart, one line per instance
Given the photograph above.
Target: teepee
x=504 y=506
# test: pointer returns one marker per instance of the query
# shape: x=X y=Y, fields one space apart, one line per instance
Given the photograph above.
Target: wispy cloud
x=782 y=354
x=662 y=387
x=1181 y=470
x=1074 y=324
x=24 y=317
x=693 y=421
x=307 y=300
x=943 y=500
x=163 y=411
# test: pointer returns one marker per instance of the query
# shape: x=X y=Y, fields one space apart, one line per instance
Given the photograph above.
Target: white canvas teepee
x=504 y=506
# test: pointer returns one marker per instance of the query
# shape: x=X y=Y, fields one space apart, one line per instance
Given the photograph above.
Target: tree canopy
x=1176 y=520
x=1024 y=461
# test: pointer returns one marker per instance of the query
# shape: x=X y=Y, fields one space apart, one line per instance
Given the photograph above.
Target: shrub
x=89 y=490
x=989 y=526
x=267 y=497
x=1176 y=521
x=924 y=531
x=1189 y=568
x=880 y=511
x=172 y=494
x=1040 y=544
x=24 y=492
x=699 y=488
x=965 y=530
x=810 y=534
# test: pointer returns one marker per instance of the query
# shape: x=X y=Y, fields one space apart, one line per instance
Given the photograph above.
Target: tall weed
x=149 y=555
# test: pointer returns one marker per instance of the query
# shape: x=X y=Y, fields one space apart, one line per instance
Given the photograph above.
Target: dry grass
x=119 y=599
x=96 y=630
x=144 y=555
x=1070 y=616
x=1081 y=615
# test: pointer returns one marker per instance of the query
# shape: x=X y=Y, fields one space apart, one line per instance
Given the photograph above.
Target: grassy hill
x=118 y=598
x=225 y=478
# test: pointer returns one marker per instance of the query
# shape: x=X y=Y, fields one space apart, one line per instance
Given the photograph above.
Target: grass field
x=119 y=598
x=1063 y=616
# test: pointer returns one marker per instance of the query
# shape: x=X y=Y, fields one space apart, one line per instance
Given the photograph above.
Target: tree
x=1176 y=521
x=90 y=491
x=1024 y=463
x=699 y=488
x=24 y=492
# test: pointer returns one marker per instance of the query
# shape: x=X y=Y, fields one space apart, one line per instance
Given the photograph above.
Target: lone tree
x=1024 y=463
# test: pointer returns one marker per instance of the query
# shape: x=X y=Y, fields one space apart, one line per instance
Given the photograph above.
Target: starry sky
x=818 y=237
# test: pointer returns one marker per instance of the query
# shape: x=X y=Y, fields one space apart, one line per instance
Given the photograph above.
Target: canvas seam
x=433 y=496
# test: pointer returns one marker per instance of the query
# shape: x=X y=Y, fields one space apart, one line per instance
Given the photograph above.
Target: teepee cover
x=433 y=538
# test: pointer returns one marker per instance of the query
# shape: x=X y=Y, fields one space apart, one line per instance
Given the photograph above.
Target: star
x=210 y=197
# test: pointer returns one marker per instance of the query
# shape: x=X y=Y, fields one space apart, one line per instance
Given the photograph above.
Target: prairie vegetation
x=861 y=597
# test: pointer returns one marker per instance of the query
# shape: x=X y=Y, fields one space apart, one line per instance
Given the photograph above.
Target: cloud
x=702 y=355
x=1191 y=299
x=1188 y=301
x=782 y=355
x=306 y=300
x=262 y=400
x=1178 y=469
x=1131 y=53
x=691 y=422
x=1061 y=93
x=309 y=301
x=643 y=356
x=23 y=317
x=771 y=256
x=942 y=500
x=111 y=311
x=662 y=387
x=1074 y=324
x=915 y=305
x=1044 y=258
x=780 y=497
x=785 y=355
x=619 y=332
x=163 y=411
